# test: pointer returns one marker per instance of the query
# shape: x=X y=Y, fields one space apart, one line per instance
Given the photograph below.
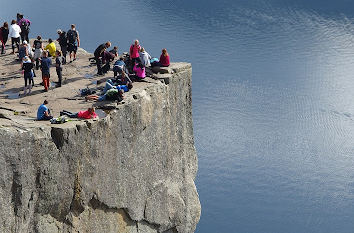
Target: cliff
x=132 y=170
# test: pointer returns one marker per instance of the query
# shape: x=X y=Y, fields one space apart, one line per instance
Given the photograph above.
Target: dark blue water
x=273 y=99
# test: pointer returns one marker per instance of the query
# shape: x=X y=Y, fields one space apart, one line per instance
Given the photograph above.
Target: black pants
x=64 y=50
x=60 y=76
x=28 y=78
x=99 y=65
x=106 y=67
x=3 y=42
x=24 y=36
x=15 y=41
x=37 y=64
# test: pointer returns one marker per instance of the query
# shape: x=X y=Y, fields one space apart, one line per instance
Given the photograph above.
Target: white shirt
x=14 y=31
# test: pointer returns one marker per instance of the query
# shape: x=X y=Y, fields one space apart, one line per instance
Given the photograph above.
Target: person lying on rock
x=88 y=114
x=43 y=112
x=110 y=85
x=112 y=94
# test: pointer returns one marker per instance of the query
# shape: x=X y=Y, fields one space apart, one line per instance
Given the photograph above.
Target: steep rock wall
x=132 y=171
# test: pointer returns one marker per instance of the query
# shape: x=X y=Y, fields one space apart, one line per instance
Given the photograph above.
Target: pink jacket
x=165 y=61
x=134 y=51
x=140 y=72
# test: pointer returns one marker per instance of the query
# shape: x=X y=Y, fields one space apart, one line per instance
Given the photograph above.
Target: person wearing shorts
x=73 y=42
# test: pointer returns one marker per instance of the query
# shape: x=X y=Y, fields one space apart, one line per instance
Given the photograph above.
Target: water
x=273 y=99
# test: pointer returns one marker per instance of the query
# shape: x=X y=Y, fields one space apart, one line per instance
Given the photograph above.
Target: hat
x=59 y=31
x=26 y=59
x=25 y=42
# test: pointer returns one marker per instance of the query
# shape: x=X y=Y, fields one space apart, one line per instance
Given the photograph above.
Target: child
x=58 y=62
x=45 y=68
x=139 y=70
x=27 y=67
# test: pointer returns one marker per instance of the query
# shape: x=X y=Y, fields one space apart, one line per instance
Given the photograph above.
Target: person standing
x=58 y=62
x=63 y=42
x=99 y=55
x=27 y=67
x=134 y=52
x=14 y=33
x=45 y=68
x=73 y=37
x=38 y=49
x=25 y=28
x=4 y=34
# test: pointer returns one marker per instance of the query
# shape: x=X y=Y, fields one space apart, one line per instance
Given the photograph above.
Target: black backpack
x=24 y=25
x=72 y=36
x=63 y=39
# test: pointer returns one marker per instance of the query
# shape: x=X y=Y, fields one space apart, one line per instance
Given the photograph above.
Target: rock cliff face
x=132 y=171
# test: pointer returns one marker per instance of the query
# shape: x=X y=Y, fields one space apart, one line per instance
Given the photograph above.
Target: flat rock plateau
x=131 y=170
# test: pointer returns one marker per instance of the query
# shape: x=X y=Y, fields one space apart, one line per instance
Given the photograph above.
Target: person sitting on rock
x=139 y=70
x=144 y=57
x=164 y=60
x=43 y=112
x=88 y=114
x=111 y=94
x=123 y=79
x=51 y=48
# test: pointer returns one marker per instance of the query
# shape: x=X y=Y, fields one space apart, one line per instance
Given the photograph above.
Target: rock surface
x=130 y=171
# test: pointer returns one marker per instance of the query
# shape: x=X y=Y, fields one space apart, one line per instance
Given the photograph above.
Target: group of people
x=126 y=69
x=43 y=113
x=18 y=32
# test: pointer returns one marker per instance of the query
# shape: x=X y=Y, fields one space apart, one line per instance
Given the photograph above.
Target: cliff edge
x=132 y=170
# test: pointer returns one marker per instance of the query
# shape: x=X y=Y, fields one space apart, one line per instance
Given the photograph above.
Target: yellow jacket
x=51 y=48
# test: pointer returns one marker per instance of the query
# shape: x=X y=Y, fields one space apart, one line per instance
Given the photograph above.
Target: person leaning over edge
x=99 y=55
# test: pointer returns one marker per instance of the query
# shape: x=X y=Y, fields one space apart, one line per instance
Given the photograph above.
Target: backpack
x=112 y=94
x=24 y=25
x=72 y=36
x=63 y=39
